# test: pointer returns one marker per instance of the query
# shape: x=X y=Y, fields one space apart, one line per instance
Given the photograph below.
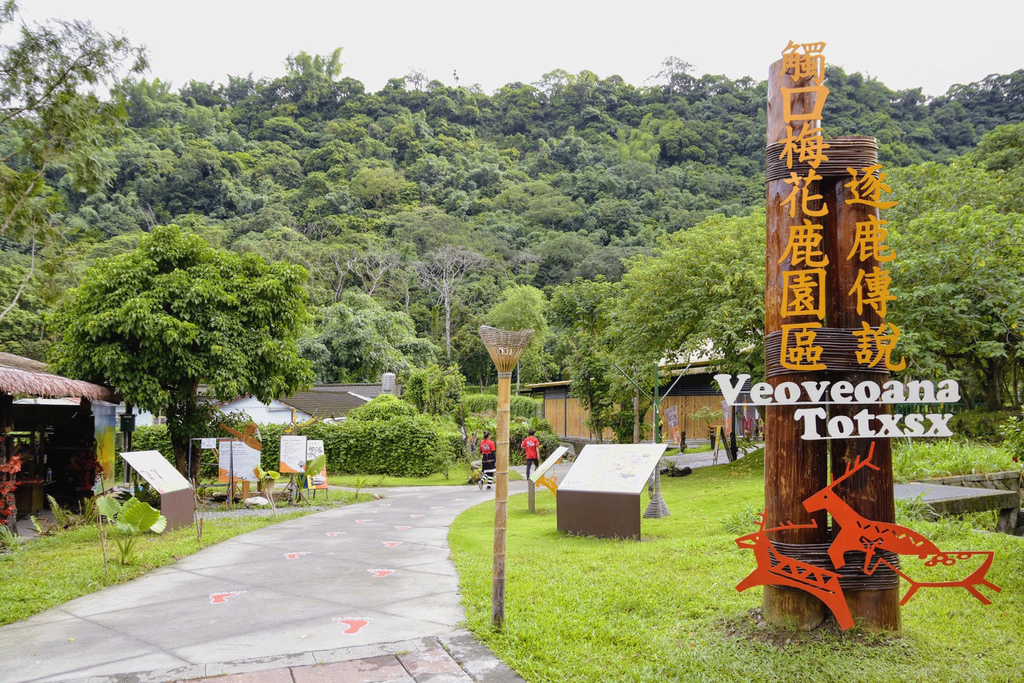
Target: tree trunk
x=994 y=370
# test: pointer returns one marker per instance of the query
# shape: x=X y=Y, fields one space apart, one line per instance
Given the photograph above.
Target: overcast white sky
x=932 y=44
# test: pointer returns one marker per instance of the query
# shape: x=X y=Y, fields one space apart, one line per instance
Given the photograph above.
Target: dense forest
x=424 y=210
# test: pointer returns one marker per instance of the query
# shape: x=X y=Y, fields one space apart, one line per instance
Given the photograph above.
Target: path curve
x=358 y=581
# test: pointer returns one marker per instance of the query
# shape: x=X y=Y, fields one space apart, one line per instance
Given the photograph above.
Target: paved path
x=361 y=593
x=363 y=581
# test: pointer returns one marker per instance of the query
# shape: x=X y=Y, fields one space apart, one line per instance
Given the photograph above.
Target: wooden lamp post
x=505 y=348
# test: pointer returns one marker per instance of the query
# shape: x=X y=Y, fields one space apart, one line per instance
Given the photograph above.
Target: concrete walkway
x=309 y=597
x=361 y=593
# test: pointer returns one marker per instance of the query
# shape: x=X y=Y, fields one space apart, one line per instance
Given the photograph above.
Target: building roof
x=20 y=375
x=333 y=400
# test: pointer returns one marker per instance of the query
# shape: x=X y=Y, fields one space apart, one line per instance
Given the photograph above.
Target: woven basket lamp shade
x=505 y=348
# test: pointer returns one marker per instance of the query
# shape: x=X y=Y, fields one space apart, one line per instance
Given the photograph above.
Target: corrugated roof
x=20 y=375
x=324 y=404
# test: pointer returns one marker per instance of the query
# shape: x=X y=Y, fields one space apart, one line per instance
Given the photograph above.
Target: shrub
x=979 y=424
x=526 y=407
x=480 y=403
x=1013 y=434
x=519 y=406
x=383 y=407
x=402 y=448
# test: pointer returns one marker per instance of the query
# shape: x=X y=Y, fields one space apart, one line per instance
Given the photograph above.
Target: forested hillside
x=416 y=207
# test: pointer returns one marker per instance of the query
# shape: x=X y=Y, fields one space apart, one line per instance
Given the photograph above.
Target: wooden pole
x=505 y=347
x=794 y=469
x=868 y=492
x=501 y=502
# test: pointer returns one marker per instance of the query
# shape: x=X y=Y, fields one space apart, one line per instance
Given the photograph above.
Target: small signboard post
x=293 y=461
x=541 y=476
x=600 y=495
x=177 y=501
x=314 y=449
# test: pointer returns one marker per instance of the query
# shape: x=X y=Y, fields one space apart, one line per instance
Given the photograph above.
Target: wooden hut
x=46 y=446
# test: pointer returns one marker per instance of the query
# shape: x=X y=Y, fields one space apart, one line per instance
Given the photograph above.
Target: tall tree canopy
x=173 y=314
x=53 y=126
x=704 y=291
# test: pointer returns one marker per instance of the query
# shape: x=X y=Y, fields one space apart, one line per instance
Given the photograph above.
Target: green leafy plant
x=43 y=527
x=132 y=519
x=266 y=480
x=360 y=482
x=9 y=541
x=1013 y=435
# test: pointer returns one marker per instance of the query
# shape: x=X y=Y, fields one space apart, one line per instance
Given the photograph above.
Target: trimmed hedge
x=520 y=406
x=407 y=446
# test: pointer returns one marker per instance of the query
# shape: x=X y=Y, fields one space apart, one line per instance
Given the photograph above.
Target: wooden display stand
x=177 y=499
x=600 y=495
x=605 y=515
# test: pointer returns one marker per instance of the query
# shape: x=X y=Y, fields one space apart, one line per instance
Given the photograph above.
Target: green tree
x=434 y=390
x=357 y=340
x=53 y=125
x=173 y=314
x=959 y=279
x=706 y=286
x=580 y=313
x=522 y=307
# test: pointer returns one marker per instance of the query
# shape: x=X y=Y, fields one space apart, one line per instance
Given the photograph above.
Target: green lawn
x=51 y=570
x=457 y=476
x=666 y=608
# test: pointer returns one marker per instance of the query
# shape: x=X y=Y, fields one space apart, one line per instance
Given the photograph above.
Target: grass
x=926 y=459
x=457 y=476
x=666 y=608
x=51 y=570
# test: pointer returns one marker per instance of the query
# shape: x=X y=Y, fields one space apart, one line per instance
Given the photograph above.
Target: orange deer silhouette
x=776 y=569
x=859 y=533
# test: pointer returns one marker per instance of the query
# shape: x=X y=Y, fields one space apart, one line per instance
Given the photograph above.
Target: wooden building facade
x=695 y=390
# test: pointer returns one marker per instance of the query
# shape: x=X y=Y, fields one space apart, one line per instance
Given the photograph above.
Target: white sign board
x=208 y=444
x=613 y=468
x=314 y=449
x=548 y=463
x=155 y=469
x=245 y=459
x=293 y=454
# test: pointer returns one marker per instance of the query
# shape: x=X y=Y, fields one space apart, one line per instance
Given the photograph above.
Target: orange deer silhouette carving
x=820 y=583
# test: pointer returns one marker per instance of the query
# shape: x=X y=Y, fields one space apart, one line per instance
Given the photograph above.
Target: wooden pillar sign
x=828 y=353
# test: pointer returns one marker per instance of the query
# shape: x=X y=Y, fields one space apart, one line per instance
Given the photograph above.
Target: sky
x=902 y=43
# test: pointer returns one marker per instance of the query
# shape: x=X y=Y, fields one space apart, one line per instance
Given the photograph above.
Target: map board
x=548 y=463
x=244 y=458
x=293 y=455
x=157 y=472
x=613 y=468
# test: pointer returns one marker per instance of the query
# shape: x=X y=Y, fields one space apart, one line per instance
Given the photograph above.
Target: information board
x=157 y=472
x=245 y=460
x=314 y=449
x=293 y=455
x=208 y=443
x=548 y=463
x=613 y=468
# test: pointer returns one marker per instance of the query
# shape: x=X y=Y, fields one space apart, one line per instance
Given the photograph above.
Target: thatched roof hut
x=20 y=375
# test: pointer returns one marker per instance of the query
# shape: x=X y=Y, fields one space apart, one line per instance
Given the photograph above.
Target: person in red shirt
x=488 y=460
x=531 y=444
